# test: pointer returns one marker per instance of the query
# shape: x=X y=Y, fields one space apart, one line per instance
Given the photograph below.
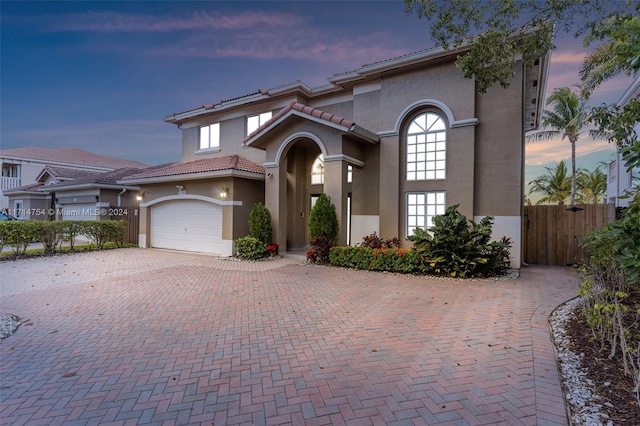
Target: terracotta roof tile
x=65 y=173
x=70 y=156
x=32 y=187
x=231 y=162
x=211 y=106
x=304 y=109
x=107 y=178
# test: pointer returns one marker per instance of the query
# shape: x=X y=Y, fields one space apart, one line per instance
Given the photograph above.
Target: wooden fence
x=551 y=233
x=132 y=216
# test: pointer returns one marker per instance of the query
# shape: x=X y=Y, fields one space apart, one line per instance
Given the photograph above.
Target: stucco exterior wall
x=231 y=136
x=499 y=150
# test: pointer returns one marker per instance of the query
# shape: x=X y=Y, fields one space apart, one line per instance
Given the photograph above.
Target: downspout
x=120 y=196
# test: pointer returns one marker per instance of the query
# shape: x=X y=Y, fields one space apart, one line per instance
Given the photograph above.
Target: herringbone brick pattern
x=140 y=336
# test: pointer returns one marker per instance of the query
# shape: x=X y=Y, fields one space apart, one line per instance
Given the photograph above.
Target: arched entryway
x=301 y=188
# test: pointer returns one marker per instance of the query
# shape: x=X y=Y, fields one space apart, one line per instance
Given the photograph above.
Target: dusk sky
x=101 y=75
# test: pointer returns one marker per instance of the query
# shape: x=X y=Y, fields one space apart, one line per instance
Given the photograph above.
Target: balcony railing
x=9 y=183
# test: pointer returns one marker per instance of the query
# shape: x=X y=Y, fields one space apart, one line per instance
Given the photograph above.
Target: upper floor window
x=349 y=173
x=210 y=136
x=317 y=171
x=255 y=121
x=426 y=147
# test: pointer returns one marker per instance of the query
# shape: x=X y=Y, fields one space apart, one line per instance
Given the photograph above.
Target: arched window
x=426 y=147
x=317 y=171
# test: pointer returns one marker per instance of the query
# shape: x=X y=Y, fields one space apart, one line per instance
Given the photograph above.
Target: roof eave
x=542 y=88
x=87 y=186
x=178 y=118
x=633 y=91
x=195 y=176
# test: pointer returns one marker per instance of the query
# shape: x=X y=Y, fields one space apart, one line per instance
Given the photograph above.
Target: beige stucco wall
x=235 y=218
x=499 y=149
x=231 y=136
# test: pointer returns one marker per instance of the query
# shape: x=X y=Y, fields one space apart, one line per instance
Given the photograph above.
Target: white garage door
x=188 y=225
x=79 y=211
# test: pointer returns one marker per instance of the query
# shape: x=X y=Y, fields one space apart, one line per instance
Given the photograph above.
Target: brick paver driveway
x=138 y=336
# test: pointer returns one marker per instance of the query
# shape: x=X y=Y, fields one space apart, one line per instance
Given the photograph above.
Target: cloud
x=301 y=44
x=568 y=57
x=114 y=22
x=554 y=150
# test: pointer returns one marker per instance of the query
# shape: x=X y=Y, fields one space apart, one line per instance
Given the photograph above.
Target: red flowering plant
x=312 y=255
x=271 y=250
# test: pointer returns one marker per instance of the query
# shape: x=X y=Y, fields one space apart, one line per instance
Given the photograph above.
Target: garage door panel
x=79 y=212
x=188 y=225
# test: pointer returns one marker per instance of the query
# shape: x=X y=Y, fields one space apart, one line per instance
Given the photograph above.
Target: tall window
x=317 y=171
x=255 y=121
x=426 y=147
x=349 y=173
x=422 y=207
x=210 y=136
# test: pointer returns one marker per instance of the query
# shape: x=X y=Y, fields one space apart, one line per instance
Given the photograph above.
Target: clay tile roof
x=231 y=162
x=70 y=156
x=32 y=187
x=304 y=109
x=107 y=178
x=65 y=173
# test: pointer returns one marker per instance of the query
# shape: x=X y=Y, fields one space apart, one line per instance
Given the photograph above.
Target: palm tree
x=568 y=117
x=592 y=186
x=555 y=185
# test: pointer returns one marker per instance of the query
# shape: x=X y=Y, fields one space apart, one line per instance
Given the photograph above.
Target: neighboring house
x=85 y=196
x=393 y=143
x=31 y=201
x=619 y=179
x=21 y=167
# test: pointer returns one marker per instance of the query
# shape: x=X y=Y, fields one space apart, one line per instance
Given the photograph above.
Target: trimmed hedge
x=391 y=260
x=250 y=248
x=20 y=233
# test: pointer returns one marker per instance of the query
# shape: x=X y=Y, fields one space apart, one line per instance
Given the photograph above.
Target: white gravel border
x=582 y=401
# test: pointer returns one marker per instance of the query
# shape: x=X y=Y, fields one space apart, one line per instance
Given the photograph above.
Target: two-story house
x=26 y=169
x=619 y=178
x=392 y=143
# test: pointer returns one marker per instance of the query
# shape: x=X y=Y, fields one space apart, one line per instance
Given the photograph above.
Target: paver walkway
x=140 y=336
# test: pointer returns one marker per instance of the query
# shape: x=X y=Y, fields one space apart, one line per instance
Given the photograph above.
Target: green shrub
x=260 y=224
x=70 y=230
x=3 y=233
x=19 y=233
x=390 y=259
x=458 y=247
x=250 y=248
x=49 y=234
x=323 y=229
x=103 y=231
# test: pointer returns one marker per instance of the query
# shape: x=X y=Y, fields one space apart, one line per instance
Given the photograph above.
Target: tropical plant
x=555 y=185
x=568 y=117
x=592 y=186
x=458 y=247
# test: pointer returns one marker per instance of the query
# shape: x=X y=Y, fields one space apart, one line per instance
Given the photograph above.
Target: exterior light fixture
x=224 y=192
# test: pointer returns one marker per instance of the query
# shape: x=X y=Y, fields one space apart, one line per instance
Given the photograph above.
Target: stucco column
x=275 y=199
x=335 y=174
x=390 y=187
x=143 y=215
